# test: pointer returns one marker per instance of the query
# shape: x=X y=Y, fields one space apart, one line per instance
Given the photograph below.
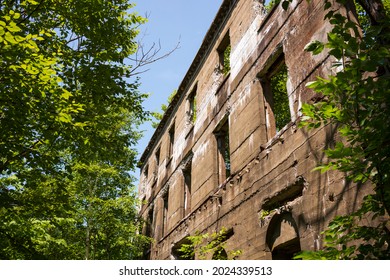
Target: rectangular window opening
x=222 y=136
x=165 y=213
x=150 y=223
x=146 y=173
x=157 y=157
x=184 y=250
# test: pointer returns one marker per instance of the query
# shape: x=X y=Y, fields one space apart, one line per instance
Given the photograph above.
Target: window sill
x=225 y=79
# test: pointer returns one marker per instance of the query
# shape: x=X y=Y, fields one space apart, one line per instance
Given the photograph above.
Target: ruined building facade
x=228 y=152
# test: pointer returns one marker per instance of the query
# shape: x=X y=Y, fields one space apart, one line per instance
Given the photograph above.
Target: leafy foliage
x=159 y=115
x=357 y=101
x=285 y=3
x=192 y=109
x=203 y=245
x=347 y=238
x=226 y=60
x=69 y=112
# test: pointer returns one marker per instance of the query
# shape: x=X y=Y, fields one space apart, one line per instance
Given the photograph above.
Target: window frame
x=171 y=142
x=223 y=149
x=165 y=211
x=224 y=51
x=192 y=110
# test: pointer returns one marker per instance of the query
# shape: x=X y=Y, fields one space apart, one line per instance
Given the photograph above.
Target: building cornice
x=207 y=44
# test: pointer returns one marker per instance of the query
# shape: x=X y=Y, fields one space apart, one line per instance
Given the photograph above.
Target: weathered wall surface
x=273 y=201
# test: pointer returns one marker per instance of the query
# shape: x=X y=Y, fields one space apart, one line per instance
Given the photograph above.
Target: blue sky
x=170 y=22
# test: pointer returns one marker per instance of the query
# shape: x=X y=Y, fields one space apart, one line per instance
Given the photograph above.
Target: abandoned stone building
x=228 y=152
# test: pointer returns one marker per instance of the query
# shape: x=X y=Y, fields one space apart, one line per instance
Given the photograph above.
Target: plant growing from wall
x=271 y=3
x=226 y=60
x=204 y=245
x=159 y=115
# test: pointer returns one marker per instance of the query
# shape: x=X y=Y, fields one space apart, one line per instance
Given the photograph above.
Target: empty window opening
x=286 y=251
x=165 y=213
x=218 y=244
x=157 y=157
x=150 y=223
x=224 y=51
x=184 y=250
x=187 y=190
x=171 y=141
x=224 y=168
x=146 y=173
x=192 y=106
x=286 y=195
x=276 y=97
x=186 y=169
x=283 y=237
x=220 y=254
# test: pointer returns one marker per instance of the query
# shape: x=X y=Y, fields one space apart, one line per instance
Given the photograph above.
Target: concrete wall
x=272 y=195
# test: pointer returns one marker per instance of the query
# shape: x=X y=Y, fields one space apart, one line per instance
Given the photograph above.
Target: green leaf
x=12 y=27
x=285 y=4
x=69 y=132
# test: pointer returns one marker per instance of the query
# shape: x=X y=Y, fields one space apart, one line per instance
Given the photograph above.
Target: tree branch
x=374 y=9
x=145 y=56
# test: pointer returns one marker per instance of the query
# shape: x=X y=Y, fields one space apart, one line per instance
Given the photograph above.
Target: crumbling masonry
x=228 y=151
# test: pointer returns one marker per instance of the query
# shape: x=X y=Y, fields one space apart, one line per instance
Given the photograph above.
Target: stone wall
x=272 y=201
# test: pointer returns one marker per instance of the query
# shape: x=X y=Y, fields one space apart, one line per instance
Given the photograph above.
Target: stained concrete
x=271 y=172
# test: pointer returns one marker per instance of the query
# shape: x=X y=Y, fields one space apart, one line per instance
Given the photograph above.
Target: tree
x=70 y=108
x=356 y=100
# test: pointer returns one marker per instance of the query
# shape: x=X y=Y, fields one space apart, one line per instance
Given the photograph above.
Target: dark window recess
x=146 y=172
x=187 y=183
x=157 y=156
x=283 y=237
x=165 y=213
x=287 y=251
x=219 y=251
x=192 y=106
x=171 y=141
x=184 y=250
x=149 y=224
x=187 y=190
x=287 y=194
x=222 y=135
x=220 y=254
